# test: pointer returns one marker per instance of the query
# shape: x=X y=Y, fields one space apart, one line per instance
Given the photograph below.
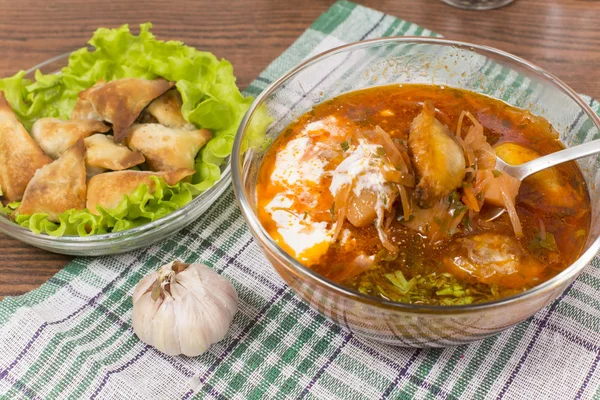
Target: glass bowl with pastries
x=371 y=195
x=109 y=149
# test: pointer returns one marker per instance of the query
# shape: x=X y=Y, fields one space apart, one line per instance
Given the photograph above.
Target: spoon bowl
x=522 y=171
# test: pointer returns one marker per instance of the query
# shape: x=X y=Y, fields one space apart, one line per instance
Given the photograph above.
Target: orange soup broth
x=393 y=108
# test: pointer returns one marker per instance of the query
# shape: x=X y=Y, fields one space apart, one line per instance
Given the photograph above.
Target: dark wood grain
x=561 y=36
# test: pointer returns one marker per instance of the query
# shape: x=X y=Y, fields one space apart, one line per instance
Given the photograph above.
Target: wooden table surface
x=561 y=36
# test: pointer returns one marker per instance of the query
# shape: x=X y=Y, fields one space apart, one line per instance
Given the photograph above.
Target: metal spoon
x=522 y=171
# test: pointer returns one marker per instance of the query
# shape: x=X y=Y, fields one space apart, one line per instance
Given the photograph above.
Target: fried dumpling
x=56 y=135
x=93 y=171
x=120 y=102
x=104 y=152
x=20 y=156
x=108 y=189
x=167 y=110
x=84 y=110
x=58 y=186
x=438 y=160
x=165 y=148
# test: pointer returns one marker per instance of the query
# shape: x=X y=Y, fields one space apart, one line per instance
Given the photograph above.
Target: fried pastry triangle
x=58 y=186
x=167 y=110
x=167 y=148
x=104 y=152
x=108 y=189
x=55 y=135
x=119 y=102
x=20 y=156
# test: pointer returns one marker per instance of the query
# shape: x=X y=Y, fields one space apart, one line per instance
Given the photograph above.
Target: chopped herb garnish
x=345 y=146
x=447 y=291
x=454 y=196
x=457 y=301
x=434 y=288
x=548 y=243
x=495 y=290
x=467 y=222
x=400 y=282
x=458 y=208
x=380 y=151
x=382 y=292
x=496 y=173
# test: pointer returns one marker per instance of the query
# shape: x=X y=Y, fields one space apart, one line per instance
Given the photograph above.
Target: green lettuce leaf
x=211 y=100
x=9 y=208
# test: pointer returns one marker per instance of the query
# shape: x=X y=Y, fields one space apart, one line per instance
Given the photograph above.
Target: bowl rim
x=257 y=229
x=13 y=229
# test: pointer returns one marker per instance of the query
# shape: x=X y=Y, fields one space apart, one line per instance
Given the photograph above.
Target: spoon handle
x=550 y=160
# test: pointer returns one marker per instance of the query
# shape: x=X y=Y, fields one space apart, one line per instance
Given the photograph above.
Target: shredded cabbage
x=211 y=100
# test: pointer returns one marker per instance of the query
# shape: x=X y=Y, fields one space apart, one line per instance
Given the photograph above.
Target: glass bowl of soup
x=368 y=195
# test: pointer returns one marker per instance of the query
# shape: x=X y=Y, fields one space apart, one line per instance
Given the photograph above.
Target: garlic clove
x=218 y=308
x=193 y=337
x=142 y=317
x=143 y=285
x=164 y=330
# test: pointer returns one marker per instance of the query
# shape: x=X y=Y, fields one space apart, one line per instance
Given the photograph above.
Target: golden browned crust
x=166 y=148
x=55 y=135
x=58 y=186
x=120 y=102
x=85 y=110
x=437 y=158
x=108 y=189
x=20 y=156
x=166 y=109
x=104 y=152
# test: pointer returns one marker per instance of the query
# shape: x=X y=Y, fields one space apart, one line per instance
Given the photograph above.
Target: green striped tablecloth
x=72 y=337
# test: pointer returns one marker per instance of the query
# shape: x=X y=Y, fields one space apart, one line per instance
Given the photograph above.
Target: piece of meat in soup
x=492 y=259
x=439 y=161
x=548 y=190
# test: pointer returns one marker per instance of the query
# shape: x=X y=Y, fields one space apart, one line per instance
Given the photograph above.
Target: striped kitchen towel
x=72 y=337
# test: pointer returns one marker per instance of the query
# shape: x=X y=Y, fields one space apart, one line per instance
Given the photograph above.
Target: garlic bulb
x=183 y=308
